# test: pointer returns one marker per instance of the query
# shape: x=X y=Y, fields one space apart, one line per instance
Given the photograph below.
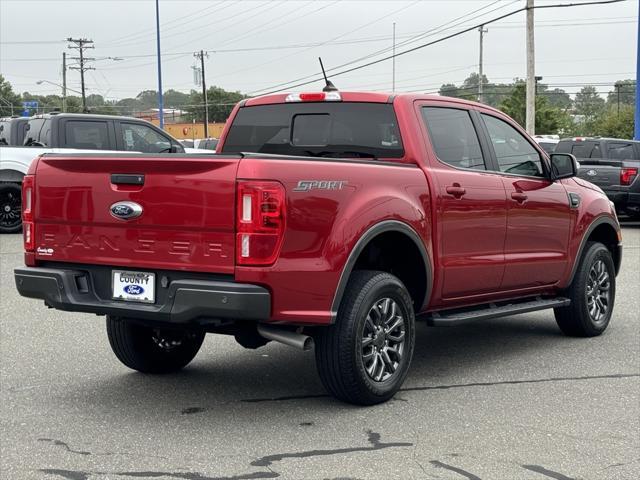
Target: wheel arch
x=603 y=229
x=12 y=176
x=419 y=269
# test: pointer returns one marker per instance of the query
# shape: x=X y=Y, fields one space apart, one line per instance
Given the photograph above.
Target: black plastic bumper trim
x=187 y=300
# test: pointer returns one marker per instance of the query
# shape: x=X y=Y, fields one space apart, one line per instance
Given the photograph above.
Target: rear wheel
x=592 y=294
x=10 y=208
x=364 y=358
x=152 y=350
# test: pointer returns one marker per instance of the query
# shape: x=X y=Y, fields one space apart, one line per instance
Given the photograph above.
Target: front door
x=471 y=204
x=538 y=212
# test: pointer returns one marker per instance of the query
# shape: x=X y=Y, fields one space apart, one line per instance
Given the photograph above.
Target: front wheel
x=152 y=350
x=592 y=294
x=365 y=356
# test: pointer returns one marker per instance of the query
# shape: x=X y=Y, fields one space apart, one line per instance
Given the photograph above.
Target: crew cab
x=613 y=164
x=30 y=137
x=334 y=219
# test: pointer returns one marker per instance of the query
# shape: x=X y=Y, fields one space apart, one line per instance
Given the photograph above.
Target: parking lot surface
x=510 y=398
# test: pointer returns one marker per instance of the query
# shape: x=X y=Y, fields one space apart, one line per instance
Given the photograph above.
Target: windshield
x=324 y=129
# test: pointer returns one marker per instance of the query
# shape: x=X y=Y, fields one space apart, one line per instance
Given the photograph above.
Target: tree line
x=220 y=103
x=587 y=114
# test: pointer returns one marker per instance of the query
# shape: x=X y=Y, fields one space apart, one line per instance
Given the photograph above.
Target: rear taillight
x=259 y=222
x=628 y=175
x=28 y=201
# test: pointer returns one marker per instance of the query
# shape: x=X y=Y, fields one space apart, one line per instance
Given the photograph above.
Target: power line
x=447 y=37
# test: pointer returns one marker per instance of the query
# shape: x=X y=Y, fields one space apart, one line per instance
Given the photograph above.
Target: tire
x=592 y=294
x=346 y=351
x=150 y=350
x=10 y=208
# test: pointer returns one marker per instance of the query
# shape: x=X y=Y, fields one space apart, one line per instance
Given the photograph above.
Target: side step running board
x=492 y=310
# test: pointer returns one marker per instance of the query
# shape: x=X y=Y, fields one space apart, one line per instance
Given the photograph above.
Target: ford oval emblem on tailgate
x=592 y=173
x=125 y=210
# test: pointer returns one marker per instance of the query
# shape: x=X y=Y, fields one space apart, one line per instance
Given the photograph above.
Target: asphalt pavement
x=506 y=399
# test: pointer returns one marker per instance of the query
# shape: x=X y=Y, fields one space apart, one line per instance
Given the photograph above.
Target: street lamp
x=64 y=91
x=40 y=82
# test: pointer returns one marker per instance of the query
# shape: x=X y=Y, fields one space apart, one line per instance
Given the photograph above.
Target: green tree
x=614 y=124
x=624 y=93
x=557 y=97
x=549 y=119
x=588 y=103
x=10 y=102
x=220 y=101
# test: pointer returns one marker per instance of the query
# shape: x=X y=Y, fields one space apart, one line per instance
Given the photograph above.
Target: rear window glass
x=86 y=135
x=620 y=151
x=33 y=132
x=338 y=130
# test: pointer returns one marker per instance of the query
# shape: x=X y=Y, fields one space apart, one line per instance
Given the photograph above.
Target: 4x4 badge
x=125 y=210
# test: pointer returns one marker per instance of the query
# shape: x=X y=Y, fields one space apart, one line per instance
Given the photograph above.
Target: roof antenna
x=329 y=87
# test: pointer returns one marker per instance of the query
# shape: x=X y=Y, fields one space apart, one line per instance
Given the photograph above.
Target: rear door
x=471 y=202
x=187 y=211
x=538 y=212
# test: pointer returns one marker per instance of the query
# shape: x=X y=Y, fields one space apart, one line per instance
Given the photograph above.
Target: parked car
x=206 y=143
x=12 y=130
x=58 y=132
x=612 y=164
x=547 y=143
x=325 y=217
x=187 y=143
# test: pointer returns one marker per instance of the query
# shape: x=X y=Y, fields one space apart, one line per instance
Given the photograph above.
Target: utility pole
x=81 y=44
x=160 y=95
x=64 y=82
x=482 y=31
x=531 y=73
x=393 y=59
x=618 y=95
x=201 y=54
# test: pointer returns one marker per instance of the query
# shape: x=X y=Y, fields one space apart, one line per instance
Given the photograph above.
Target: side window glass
x=87 y=135
x=454 y=137
x=514 y=153
x=620 y=151
x=140 y=138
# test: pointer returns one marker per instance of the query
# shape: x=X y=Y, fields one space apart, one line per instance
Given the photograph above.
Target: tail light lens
x=28 y=202
x=628 y=175
x=260 y=222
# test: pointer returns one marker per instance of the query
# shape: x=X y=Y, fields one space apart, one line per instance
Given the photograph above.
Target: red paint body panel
x=188 y=221
x=482 y=246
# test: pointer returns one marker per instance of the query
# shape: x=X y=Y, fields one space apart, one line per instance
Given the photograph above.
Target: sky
x=256 y=46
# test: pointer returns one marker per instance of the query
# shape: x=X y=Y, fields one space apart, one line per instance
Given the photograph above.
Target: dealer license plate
x=134 y=286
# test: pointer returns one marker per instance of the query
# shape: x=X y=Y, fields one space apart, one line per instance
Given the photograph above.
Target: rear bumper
x=186 y=300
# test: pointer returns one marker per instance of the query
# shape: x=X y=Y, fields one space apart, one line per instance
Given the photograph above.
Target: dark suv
x=98 y=132
x=12 y=130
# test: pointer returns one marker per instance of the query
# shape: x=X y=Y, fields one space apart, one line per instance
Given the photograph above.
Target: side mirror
x=176 y=148
x=563 y=165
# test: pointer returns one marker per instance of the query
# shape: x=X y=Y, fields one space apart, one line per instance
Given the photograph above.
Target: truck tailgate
x=187 y=220
x=602 y=174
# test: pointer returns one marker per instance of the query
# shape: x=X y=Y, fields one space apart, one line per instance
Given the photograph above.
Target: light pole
x=64 y=91
x=160 y=99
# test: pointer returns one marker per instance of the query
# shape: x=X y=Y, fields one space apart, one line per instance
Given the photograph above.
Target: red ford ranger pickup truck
x=327 y=218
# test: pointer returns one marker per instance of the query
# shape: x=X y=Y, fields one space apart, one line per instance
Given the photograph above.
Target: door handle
x=456 y=190
x=127 y=179
x=519 y=197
